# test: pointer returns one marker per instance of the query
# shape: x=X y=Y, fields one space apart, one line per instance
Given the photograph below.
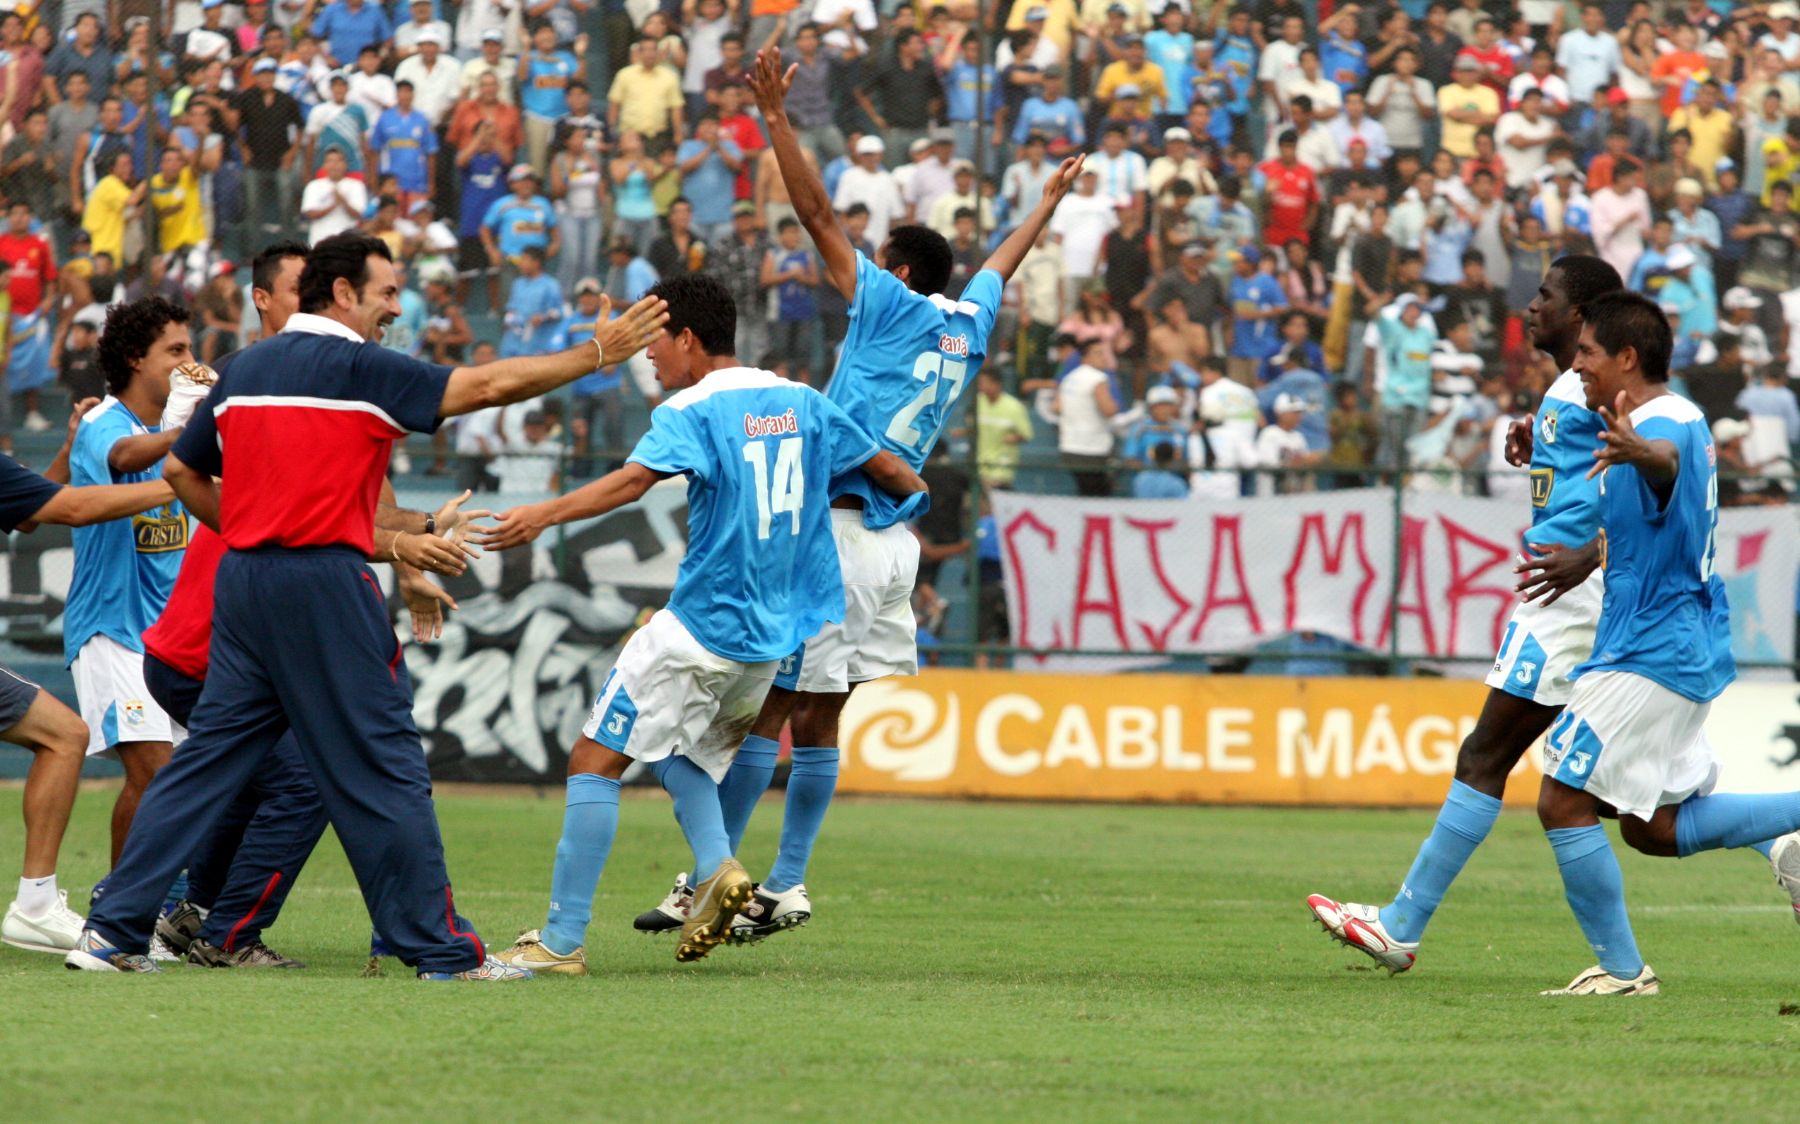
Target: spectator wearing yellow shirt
x=1002 y=424
x=1135 y=70
x=114 y=200
x=645 y=97
x=1781 y=160
x=1466 y=106
x=175 y=197
x=1136 y=12
x=1711 y=128
x=1059 y=20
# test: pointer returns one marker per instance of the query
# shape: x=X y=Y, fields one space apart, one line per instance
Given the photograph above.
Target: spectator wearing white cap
x=1695 y=226
x=1741 y=306
x=435 y=76
x=932 y=176
x=1781 y=36
x=479 y=19
x=867 y=182
x=406 y=35
x=490 y=58
x=1162 y=427
x=1281 y=445
x=1689 y=296
x=1178 y=162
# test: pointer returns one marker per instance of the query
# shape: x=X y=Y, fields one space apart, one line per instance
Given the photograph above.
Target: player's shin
x=590 y=820
x=810 y=786
x=1596 y=892
x=1464 y=821
x=743 y=786
x=1734 y=819
x=696 y=799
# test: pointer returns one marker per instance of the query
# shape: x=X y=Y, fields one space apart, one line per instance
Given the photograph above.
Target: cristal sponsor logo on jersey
x=160 y=530
x=954 y=345
x=769 y=425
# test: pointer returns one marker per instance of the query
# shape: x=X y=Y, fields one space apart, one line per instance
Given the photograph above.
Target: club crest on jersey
x=1547 y=427
x=770 y=425
x=954 y=345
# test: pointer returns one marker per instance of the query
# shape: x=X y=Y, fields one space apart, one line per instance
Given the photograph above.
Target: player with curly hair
x=125 y=568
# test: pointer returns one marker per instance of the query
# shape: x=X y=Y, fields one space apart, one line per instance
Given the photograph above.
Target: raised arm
x=614 y=490
x=1007 y=256
x=806 y=191
x=514 y=380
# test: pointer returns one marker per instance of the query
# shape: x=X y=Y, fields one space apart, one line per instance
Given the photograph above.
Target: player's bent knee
x=815 y=718
x=1655 y=837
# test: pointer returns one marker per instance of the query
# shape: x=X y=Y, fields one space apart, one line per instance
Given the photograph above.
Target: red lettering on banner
x=1026 y=521
x=1332 y=562
x=1412 y=562
x=1227 y=527
x=1749 y=550
x=1098 y=532
x=1462 y=585
x=1159 y=640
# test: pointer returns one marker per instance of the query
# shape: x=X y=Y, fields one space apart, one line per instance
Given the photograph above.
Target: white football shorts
x=1543 y=644
x=668 y=695
x=1632 y=743
x=878 y=636
x=118 y=709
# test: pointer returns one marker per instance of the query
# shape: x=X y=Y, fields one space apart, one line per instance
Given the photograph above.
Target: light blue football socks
x=590 y=820
x=1596 y=893
x=810 y=784
x=696 y=797
x=751 y=771
x=1735 y=819
x=1464 y=821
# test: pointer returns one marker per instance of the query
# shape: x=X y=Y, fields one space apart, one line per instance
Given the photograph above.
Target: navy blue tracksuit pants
x=301 y=641
x=245 y=870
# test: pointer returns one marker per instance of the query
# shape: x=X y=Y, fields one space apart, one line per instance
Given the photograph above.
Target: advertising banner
x=1164 y=576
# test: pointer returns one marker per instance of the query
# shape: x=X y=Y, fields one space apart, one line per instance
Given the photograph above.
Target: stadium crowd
x=1306 y=239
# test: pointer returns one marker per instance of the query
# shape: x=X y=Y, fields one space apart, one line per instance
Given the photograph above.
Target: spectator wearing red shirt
x=737 y=126
x=33 y=292
x=1497 y=64
x=1291 y=195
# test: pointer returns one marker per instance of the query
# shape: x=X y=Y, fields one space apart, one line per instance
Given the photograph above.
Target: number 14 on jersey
x=781 y=491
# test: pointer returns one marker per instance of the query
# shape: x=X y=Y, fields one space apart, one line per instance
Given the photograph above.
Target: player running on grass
x=39 y=918
x=759 y=576
x=909 y=355
x=1633 y=736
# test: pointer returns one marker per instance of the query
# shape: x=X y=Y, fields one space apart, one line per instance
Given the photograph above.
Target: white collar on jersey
x=315 y=325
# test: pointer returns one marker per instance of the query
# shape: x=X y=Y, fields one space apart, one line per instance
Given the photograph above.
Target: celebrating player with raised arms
x=759 y=576
x=1633 y=737
x=910 y=354
x=1549 y=634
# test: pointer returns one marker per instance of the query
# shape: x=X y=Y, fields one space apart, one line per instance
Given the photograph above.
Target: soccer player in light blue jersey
x=909 y=356
x=124 y=569
x=1632 y=739
x=760 y=575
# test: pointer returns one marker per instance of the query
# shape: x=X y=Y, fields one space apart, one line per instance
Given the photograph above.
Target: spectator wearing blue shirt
x=1256 y=304
x=597 y=420
x=534 y=309
x=1051 y=112
x=520 y=221
x=1172 y=48
x=406 y=145
x=709 y=164
x=1342 y=57
x=628 y=275
x=967 y=78
x=1235 y=56
x=86 y=52
x=1407 y=341
x=1689 y=294
x=1770 y=397
x=1164 y=481
x=544 y=77
x=345 y=27
x=1162 y=427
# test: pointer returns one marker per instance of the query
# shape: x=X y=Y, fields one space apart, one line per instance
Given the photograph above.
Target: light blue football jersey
x=124 y=568
x=761 y=570
x=1565 y=504
x=906 y=361
x=1665 y=615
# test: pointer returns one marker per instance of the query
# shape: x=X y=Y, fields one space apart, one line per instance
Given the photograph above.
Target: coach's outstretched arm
x=1006 y=257
x=100 y=503
x=514 y=380
x=806 y=191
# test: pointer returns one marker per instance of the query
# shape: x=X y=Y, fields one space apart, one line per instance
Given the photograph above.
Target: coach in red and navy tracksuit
x=300 y=430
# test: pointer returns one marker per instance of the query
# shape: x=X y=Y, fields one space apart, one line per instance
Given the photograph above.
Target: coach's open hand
x=430 y=552
x=426 y=601
x=518 y=526
x=631 y=333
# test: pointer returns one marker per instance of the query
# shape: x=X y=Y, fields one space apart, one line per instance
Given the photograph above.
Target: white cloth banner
x=1206 y=575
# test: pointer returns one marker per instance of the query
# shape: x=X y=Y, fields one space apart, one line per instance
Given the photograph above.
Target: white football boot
x=1785 y=858
x=669 y=914
x=1598 y=981
x=1360 y=927
x=768 y=913
x=58 y=930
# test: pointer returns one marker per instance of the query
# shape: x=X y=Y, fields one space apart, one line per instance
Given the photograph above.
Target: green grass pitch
x=969 y=961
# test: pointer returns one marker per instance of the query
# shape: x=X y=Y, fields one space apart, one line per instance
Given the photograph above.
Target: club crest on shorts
x=133 y=714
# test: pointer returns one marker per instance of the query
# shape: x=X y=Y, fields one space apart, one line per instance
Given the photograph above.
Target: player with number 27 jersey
x=907 y=359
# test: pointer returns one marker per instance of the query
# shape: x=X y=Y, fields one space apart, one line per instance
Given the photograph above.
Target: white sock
x=37 y=895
